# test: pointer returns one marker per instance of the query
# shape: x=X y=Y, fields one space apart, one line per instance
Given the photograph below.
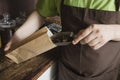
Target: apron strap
x=117 y=4
x=62 y=2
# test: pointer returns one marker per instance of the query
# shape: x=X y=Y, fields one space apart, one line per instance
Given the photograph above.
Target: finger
x=94 y=42
x=99 y=45
x=93 y=35
x=7 y=47
x=82 y=35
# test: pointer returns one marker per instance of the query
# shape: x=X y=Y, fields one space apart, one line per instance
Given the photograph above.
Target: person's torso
x=106 y=5
x=79 y=14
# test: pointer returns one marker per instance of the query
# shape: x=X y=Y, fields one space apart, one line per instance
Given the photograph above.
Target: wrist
x=115 y=32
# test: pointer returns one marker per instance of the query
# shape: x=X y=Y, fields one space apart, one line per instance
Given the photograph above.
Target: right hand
x=96 y=35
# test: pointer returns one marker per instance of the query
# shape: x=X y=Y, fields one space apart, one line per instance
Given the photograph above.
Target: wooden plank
x=26 y=70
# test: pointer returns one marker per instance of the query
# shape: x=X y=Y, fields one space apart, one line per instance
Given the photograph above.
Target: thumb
x=7 y=47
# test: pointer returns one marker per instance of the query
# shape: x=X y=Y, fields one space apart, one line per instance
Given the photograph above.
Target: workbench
x=29 y=70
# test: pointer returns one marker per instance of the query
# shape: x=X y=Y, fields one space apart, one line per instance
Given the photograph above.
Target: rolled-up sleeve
x=47 y=8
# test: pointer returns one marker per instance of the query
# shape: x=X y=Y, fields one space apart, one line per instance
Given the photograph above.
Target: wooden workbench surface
x=26 y=70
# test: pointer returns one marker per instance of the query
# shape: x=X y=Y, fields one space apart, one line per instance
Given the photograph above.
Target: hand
x=8 y=46
x=95 y=35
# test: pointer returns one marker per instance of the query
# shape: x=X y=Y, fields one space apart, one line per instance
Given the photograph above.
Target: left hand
x=95 y=35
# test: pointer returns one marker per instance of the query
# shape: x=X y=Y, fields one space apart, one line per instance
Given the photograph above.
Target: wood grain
x=26 y=70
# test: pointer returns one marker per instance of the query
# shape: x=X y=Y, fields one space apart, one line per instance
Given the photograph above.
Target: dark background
x=14 y=7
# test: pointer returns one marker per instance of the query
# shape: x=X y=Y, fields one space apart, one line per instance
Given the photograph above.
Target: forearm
x=33 y=22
